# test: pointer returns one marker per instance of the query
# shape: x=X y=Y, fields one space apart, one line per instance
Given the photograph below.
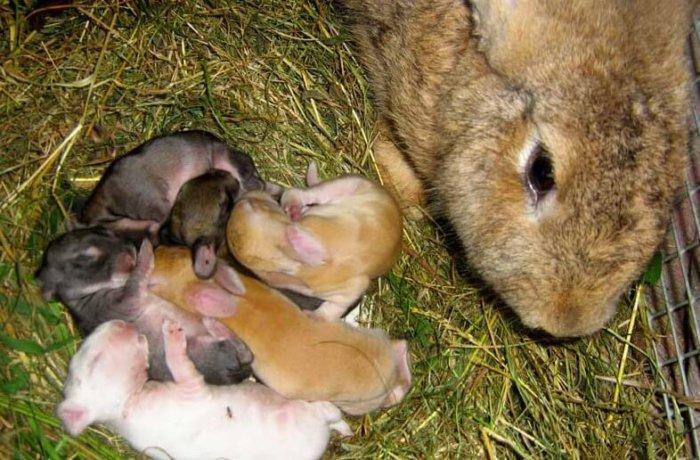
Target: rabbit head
x=558 y=168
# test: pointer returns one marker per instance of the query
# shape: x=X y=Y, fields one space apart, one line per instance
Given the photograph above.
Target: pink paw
x=342 y=428
x=145 y=261
x=174 y=334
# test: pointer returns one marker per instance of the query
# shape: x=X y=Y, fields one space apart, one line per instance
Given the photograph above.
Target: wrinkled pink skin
x=185 y=418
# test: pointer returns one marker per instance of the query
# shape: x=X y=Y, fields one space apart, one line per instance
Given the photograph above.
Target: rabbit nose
x=573 y=318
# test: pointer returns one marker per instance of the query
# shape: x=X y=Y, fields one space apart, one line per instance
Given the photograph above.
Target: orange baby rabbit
x=327 y=241
x=296 y=354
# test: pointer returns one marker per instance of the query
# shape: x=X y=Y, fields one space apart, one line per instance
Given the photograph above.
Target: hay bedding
x=280 y=80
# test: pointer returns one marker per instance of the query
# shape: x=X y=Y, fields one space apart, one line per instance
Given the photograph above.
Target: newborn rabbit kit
x=160 y=317
x=186 y=419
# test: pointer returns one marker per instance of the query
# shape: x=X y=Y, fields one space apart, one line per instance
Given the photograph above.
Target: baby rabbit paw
x=342 y=427
x=174 y=334
x=145 y=261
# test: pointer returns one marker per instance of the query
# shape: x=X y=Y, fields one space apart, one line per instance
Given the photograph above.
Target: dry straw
x=83 y=83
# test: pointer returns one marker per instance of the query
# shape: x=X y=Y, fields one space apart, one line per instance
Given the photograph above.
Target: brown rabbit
x=552 y=133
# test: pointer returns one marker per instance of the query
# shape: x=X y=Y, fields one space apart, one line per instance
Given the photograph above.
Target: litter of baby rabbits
x=279 y=80
x=187 y=319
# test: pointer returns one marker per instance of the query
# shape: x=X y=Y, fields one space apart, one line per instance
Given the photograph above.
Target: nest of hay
x=80 y=84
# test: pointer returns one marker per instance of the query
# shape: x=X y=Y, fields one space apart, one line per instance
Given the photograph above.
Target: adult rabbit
x=552 y=133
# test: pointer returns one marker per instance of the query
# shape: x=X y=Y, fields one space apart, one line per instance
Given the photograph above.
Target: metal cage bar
x=675 y=304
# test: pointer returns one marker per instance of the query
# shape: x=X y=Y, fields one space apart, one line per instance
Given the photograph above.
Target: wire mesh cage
x=674 y=312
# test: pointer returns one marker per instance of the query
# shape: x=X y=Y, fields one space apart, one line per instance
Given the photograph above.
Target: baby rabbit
x=99 y=277
x=298 y=355
x=198 y=220
x=553 y=134
x=327 y=241
x=138 y=190
x=185 y=419
x=199 y=217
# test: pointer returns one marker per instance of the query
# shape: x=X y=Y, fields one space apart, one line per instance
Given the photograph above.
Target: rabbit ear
x=307 y=248
x=312 y=174
x=493 y=16
x=496 y=21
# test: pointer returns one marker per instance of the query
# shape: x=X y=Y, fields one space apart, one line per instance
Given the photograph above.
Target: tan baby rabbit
x=327 y=241
x=298 y=355
x=553 y=134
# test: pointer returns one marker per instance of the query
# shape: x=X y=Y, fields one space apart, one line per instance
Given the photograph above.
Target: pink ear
x=312 y=175
x=308 y=248
x=212 y=301
x=145 y=260
x=403 y=381
x=229 y=279
x=401 y=356
x=204 y=260
x=75 y=417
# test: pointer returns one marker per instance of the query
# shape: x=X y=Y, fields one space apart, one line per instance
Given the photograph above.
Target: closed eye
x=85 y=260
x=93 y=362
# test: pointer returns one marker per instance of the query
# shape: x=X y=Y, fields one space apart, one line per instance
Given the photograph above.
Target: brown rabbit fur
x=553 y=135
x=298 y=355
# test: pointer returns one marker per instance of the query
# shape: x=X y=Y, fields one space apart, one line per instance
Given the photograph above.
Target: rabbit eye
x=539 y=173
x=83 y=261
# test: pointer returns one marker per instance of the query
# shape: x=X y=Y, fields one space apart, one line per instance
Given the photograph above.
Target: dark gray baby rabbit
x=100 y=277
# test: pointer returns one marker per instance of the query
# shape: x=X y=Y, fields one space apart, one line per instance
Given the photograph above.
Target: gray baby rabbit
x=138 y=190
x=552 y=133
x=99 y=277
